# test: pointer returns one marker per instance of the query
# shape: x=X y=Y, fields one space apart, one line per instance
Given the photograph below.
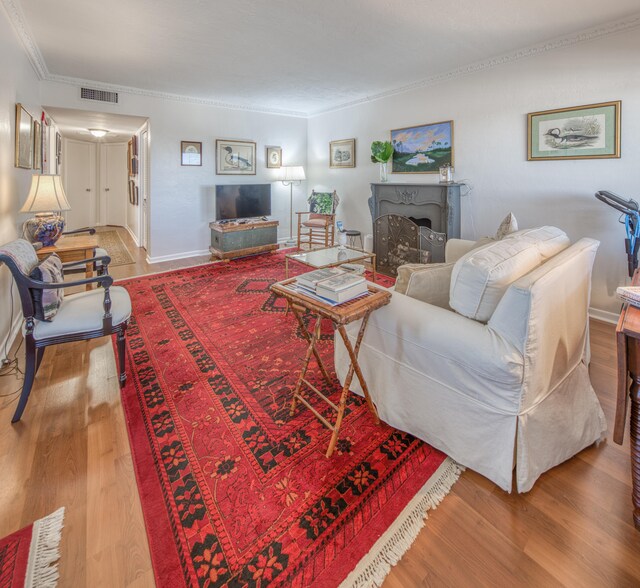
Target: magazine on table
x=630 y=294
x=299 y=289
x=342 y=294
x=310 y=279
x=339 y=282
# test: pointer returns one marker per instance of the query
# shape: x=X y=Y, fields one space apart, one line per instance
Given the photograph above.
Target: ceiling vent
x=100 y=95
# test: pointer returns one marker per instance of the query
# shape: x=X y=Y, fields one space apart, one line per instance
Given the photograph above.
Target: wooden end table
x=340 y=315
x=628 y=352
x=73 y=249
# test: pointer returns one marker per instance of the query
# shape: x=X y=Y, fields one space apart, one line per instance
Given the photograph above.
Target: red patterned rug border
x=170 y=564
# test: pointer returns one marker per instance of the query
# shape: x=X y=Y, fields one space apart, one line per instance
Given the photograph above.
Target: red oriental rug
x=234 y=491
x=28 y=557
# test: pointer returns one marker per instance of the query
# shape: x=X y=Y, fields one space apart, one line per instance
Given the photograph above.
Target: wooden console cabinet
x=236 y=239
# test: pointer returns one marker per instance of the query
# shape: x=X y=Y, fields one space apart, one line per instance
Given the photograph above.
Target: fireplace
x=412 y=222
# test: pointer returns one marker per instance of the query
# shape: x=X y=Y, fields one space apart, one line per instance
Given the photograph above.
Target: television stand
x=233 y=239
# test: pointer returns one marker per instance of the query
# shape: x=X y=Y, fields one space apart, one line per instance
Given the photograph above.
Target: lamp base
x=45 y=228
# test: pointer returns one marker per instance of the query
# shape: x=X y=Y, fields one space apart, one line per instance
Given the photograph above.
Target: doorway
x=103 y=173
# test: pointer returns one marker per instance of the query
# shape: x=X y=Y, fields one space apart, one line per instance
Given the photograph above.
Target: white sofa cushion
x=481 y=277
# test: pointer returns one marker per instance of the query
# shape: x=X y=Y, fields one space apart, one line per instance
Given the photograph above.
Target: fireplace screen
x=397 y=240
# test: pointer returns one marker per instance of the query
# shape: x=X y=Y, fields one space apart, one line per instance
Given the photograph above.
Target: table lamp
x=289 y=176
x=46 y=198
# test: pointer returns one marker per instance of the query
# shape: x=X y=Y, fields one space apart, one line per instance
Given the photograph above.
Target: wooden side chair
x=317 y=225
x=98 y=254
x=49 y=320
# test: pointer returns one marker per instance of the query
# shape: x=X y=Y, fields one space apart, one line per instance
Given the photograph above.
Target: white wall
x=182 y=199
x=18 y=84
x=489 y=110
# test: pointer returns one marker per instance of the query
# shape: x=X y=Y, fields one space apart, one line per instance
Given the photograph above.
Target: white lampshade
x=294 y=173
x=46 y=194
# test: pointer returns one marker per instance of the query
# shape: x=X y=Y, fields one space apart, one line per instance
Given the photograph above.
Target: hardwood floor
x=71 y=448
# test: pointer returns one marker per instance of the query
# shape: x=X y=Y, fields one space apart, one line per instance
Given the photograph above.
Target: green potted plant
x=382 y=152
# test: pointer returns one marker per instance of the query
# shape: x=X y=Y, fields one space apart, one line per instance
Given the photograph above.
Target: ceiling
x=294 y=56
x=75 y=124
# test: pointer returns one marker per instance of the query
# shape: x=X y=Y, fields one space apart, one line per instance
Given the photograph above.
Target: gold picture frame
x=274 y=157
x=24 y=138
x=235 y=158
x=342 y=153
x=422 y=149
x=591 y=131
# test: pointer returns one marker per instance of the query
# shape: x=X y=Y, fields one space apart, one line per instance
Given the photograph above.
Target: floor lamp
x=289 y=176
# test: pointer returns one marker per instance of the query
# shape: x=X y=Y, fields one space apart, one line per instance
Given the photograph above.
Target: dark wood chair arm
x=105 y=280
x=89 y=230
x=105 y=259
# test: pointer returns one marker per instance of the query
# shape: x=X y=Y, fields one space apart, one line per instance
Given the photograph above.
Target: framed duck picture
x=578 y=132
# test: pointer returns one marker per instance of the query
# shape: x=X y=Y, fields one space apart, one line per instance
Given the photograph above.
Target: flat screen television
x=242 y=201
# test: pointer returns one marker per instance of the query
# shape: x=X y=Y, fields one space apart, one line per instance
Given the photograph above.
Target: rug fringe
x=387 y=551
x=44 y=552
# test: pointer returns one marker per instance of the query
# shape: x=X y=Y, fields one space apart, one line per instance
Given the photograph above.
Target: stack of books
x=332 y=285
x=630 y=294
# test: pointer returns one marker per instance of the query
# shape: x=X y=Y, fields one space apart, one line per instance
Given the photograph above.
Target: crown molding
x=19 y=22
x=531 y=51
x=169 y=96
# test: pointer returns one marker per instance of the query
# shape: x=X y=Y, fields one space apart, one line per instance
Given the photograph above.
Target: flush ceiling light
x=98 y=132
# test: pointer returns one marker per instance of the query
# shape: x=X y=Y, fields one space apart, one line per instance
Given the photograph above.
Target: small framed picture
x=235 y=158
x=37 y=146
x=24 y=138
x=190 y=153
x=274 y=157
x=579 y=132
x=342 y=153
x=58 y=152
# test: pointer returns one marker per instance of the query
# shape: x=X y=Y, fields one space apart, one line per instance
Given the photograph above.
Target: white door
x=113 y=184
x=79 y=178
x=144 y=188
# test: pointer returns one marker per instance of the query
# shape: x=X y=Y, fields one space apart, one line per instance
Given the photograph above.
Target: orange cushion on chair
x=321 y=221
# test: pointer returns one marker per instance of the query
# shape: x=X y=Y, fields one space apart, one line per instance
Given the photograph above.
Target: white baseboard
x=604 y=315
x=10 y=337
x=135 y=239
x=174 y=256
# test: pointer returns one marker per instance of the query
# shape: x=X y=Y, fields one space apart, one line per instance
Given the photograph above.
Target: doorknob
x=106 y=189
x=88 y=189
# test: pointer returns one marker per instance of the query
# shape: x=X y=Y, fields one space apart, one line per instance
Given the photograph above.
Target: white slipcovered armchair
x=485 y=357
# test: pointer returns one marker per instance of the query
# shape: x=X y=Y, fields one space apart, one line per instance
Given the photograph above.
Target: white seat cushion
x=481 y=277
x=83 y=312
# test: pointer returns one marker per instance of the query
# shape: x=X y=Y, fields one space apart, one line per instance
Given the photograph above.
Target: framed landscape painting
x=579 y=132
x=342 y=153
x=235 y=158
x=422 y=149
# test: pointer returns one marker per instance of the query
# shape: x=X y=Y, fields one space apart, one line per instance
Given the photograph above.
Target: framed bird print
x=579 y=132
x=235 y=158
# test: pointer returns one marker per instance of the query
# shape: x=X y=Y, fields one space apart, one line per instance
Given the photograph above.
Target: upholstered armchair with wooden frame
x=85 y=315
x=317 y=225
